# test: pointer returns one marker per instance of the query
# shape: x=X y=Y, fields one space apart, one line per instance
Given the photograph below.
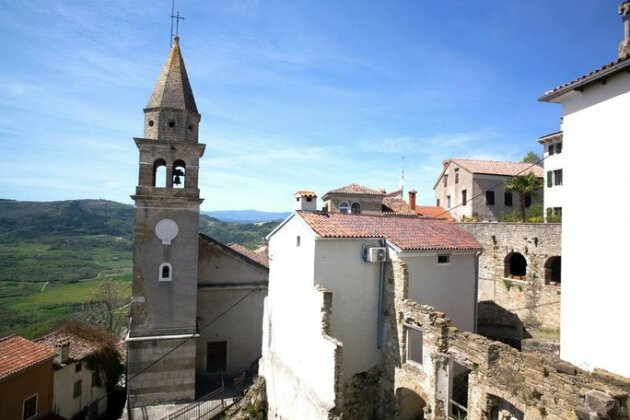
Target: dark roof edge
x=233 y=252
x=586 y=81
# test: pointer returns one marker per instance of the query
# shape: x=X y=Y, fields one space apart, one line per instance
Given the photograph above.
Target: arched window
x=179 y=174
x=515 y=266
x=159 y=173
x=355 y=208
x=344 y=207
x=553 y=270
x=166 y=272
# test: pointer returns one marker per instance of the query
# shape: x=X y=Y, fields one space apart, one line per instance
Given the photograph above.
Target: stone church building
x=183 y=283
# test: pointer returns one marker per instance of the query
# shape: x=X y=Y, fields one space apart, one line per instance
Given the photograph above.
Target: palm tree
x=525 y=185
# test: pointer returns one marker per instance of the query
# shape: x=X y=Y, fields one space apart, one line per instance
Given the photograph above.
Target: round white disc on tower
x=166 y=230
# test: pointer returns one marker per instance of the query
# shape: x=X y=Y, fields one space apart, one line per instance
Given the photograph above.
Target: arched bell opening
x=159 y=173
x=179 y=174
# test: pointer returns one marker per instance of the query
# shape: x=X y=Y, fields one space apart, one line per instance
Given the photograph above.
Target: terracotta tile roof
x=260 y=257
x=80 y=347
x=433 y=212
x=492 y=167
x=395 y=194
x=407 y=233
x=18 y=353
x=397 y=206
x=594 y=76
x=355 y=189
x=305 y=193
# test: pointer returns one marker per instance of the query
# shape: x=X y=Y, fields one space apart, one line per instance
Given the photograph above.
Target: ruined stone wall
x=533 y=299
x=526 y=385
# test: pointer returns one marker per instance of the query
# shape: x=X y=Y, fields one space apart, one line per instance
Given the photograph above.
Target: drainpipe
x=477 y=288
x=381 y=284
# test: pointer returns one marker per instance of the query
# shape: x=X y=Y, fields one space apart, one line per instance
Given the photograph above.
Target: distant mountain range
x=247 y=216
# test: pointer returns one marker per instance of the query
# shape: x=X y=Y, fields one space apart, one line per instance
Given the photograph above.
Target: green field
x=28 y=311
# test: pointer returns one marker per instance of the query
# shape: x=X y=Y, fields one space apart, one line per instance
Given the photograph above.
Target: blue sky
x=293 y=94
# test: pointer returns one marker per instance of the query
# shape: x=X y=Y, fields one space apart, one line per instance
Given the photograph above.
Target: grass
x=26 y=310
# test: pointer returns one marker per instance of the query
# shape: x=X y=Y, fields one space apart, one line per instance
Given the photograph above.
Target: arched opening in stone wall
x=553 y=270
x=179 y=174
x=501 y=409
x=515 y=266
x=159 y=173
x=410 y=404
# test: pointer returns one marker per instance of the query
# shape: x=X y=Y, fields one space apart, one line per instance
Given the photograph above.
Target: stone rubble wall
x=538 y=386
x=536 y=303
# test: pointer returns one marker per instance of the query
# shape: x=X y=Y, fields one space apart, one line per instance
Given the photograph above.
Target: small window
x=448 y=201
x=344 y=207
x=216 y=356
x=414 y=344
x=549 y=179
x=355 y=208
x=457 y=175
x=298 y=240
x=551 y=149
x=166 y=272
x=297 y=199
x=445 y=180
x=309 y=199
x=464 y=198
x=29 y=407
x=507 y=198
x=528 y=200
x=557 y=177
x=77 y=389
x=437 y=203
x=490 y=198
x=77 y=367
x=559 y=147
x=444 y=259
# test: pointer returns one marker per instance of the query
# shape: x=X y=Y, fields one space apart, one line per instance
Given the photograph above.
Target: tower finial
x=175 y=17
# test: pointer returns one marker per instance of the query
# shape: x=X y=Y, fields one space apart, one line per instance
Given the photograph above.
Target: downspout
x=476 y=288
x=129 y=415
x=381 y=285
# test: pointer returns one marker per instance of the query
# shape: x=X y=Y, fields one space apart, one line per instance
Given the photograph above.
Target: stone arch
x=344 y=207
x=410 y=404
x=355 y=208
x=179 y=174
x=553 y=269
x=159 y=173
x=515 y=266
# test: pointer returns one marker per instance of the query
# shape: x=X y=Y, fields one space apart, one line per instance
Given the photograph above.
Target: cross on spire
x=175 y=17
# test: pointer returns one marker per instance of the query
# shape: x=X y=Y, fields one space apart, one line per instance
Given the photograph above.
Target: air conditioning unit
x=376 y=254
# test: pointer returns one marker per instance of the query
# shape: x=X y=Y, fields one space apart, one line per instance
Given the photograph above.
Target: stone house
x=552 y=144
x=79 y=390
x=357 y=199
x=595 y=109
x=323 y=336
x=180 y=343
x=26 y=379
x=475 y=188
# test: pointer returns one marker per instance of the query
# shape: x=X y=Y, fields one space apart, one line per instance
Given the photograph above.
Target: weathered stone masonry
x=525 y=385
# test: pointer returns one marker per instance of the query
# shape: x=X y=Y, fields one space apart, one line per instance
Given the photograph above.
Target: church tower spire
x=166 y=241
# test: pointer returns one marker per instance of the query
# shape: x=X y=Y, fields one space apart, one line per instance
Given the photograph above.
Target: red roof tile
x=18 y=353
x=433 y=212
x=407 y=233
x=492 y=167
x=80 y=348
x=260 y=257
x=305 y=193
x=397 y=206
x=355 y=189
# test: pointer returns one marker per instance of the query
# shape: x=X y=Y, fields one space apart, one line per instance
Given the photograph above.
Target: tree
x=525 y=185
x=106 y=309
x=531 y=157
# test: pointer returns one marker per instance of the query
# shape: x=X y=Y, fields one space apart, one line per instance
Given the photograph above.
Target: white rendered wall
x=340 y=268
x=553 y=195
x=298 y=360
x=595 y=282
x=449 y=288
x=64 y=403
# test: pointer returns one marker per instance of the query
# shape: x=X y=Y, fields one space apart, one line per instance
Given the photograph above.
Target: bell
x=177 y=181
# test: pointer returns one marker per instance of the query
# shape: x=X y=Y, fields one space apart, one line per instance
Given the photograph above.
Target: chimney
x=624 y=46
x=412 y=199
x=306 y=200
x=62 y=352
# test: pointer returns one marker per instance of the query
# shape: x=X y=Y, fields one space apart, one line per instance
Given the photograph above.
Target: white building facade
x=595 y=311
x=553 y=146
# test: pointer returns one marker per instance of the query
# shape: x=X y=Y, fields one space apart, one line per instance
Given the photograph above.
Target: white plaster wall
x=553 y=195
x=64 y=404
x=595 y=283
x=339 y=266
x=298 y=360
x=449 y=288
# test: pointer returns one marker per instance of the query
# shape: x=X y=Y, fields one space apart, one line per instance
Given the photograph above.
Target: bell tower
x=165 y=254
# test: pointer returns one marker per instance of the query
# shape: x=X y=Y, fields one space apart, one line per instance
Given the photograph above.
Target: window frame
x=506 y=202
x=24 y=401
x=557 y=177
x=490 y=198
x=344 y=205
x=418 y=330
x=352 y=207
x=457 y=175
x=161 y=272
x=444 y=262
x=550 y=149
x=464 y=197
x=76 y=394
